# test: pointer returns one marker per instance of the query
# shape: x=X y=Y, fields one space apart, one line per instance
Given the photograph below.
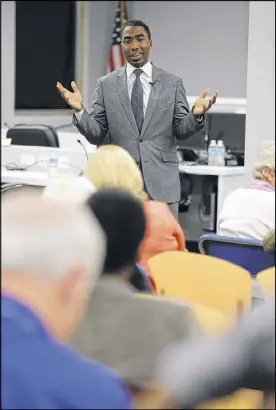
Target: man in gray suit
x=122 y=330
x=143 y=109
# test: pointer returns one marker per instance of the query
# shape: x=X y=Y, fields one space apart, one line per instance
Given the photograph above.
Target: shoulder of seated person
x=83 y=367
x=159 y=302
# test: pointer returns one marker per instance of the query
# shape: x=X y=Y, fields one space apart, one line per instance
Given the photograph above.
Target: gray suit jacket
x=167 y=117
x=127 y=333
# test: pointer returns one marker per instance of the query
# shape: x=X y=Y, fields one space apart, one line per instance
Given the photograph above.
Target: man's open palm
x=203 y=104
x=73 y=99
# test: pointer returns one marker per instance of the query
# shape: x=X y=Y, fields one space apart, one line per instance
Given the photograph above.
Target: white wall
x=260 y=119
x=204 y=42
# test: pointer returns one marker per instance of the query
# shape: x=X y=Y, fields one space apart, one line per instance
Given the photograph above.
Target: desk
x=209 y=170
x=229 y=178
x=37 y=178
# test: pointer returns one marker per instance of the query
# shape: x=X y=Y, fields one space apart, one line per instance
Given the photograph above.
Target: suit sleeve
x=184 y=122
x=94 y=126
x=211 y=368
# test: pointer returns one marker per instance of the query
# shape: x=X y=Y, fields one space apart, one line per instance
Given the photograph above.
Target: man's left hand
x=203 y=104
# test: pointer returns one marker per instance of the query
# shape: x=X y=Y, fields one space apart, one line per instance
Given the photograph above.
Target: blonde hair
x=266 y=160
x=71 y=189
x=113 y=167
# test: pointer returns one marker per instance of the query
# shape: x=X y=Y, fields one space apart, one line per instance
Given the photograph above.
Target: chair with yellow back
x=266 y=279
x=202 y=279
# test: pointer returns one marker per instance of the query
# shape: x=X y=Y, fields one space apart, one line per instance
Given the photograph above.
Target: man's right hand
x=73 y=99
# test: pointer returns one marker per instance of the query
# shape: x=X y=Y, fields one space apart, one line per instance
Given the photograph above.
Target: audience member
x=209 y=369
x=52 y=255
x=113 y=167
x=73 y=189
x=250 y=212
x=78 y=190
x=121 y=330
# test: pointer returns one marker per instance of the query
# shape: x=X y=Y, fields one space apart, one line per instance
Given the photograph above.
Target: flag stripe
x=116 y=56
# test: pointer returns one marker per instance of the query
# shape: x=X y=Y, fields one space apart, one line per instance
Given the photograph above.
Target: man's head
x=52 y=255
x=136 y=42
x=122 y=218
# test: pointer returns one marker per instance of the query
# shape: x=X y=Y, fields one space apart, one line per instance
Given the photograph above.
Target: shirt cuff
x=78 y=114
x=199 y=118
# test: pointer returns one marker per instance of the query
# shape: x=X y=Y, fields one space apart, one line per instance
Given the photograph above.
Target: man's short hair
x=138 y=23
x=122 y=218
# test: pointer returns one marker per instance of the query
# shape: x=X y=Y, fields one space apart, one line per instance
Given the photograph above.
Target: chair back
x=202 y=279
x=266 y=280
x=33 y=135
x=247 y=253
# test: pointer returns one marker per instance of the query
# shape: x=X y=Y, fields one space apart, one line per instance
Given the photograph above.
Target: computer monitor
x=228 y=127
x=196 y=141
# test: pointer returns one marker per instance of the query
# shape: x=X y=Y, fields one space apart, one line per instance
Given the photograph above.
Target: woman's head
x=113 y=167
x=265 y=167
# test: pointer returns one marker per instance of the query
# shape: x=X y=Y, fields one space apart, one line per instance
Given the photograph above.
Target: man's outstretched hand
x=203 y=104
x=73 y=99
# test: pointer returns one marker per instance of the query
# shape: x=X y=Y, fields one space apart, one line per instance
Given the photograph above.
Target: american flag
x=116 y=57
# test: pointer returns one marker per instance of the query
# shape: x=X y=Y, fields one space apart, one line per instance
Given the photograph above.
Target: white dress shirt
x=146 y=79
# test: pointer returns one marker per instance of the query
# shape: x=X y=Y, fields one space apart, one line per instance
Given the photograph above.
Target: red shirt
x=163 y=232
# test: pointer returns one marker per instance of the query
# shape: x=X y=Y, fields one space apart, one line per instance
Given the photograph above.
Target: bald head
x=49 y=238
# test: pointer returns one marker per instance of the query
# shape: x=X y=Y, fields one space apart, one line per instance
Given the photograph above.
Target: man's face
x=136 y=45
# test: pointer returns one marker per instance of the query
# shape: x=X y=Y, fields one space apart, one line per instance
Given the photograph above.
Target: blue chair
x=247 y=253
x=139 y=280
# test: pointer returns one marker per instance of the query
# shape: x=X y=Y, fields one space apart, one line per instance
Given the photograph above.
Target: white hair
x=76 y=189
x=50 y=238
x=266 y=160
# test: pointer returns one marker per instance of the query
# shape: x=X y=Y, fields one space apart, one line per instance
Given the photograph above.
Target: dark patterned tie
x=137 y=100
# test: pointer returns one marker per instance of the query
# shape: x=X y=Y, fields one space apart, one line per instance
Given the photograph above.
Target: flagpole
x=122 y=18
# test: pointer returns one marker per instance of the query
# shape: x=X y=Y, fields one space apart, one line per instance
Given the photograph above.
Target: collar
x=261 y=185
x=147 y=69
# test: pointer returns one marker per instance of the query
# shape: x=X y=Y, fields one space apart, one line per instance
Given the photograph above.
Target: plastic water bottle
x=212 y=153
x=53 y=166
x=220 y=154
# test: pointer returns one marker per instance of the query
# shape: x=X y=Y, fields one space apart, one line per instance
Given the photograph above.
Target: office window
x=45 y=52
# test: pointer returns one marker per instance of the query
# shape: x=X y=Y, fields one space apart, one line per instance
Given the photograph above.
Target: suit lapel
x=124 y=97
x=153 y=98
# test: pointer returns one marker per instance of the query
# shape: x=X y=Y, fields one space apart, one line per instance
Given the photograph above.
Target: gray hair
x=73 y=189
x=50 y=238
x=266 y=160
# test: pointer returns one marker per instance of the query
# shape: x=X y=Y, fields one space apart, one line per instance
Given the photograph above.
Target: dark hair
x=138 y=23
x=122 y=218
